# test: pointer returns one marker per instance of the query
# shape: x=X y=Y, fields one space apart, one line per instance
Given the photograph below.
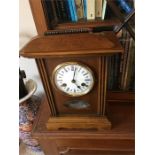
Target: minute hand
x=73 y=80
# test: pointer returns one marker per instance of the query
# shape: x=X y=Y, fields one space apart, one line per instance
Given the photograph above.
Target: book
x=74 y=11
x=109 y=75
x=70 y=8
x=79 y=9
x=112 y=72
x=125 y=55
x=57 y=10
x=85 y=9
x=61 y=10
x=125 y=6
x=98 y=9
x=67 y=10
x=109 y=13
x=50 y=13
x=129 y=66
x=90 y=9
x=104 y=6
x=116 y=71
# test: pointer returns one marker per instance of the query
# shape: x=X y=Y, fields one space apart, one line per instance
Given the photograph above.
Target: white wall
x=27 y=30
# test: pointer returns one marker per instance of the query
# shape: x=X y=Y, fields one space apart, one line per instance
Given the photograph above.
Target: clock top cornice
x=71 y=45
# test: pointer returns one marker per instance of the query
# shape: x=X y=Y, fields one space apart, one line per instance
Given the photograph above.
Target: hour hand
x=78 y=86
x=84 y=84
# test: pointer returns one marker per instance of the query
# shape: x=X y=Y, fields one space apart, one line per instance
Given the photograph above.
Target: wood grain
x=38 y=16
x=117 y=141
x=93 y=97
x=78 y=123
x=88 y=24
x=74 y=44
x=120 y=96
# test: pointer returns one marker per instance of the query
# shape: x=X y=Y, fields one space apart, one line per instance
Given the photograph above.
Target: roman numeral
x=85 y=74
x=87 y=79
x=65 y=69
x=72 y=68
x=67 y=89
x=59 y=80
x=79 y=69
x=60 y=74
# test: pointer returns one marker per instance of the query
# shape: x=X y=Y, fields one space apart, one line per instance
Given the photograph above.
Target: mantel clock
x=73 y=69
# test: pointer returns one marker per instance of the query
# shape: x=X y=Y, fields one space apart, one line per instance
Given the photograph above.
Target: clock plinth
x=78 y=123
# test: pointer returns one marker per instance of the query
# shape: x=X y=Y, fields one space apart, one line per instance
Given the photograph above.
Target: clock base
x=78 y=123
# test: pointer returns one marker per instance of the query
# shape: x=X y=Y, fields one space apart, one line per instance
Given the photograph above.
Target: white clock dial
x=73 y=79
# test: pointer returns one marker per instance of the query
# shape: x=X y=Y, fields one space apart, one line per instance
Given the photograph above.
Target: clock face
x=73 y=79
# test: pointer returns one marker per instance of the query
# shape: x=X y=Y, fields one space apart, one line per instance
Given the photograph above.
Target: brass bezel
x=71 y=63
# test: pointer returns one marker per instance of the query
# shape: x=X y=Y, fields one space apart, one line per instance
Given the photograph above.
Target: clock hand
x=78 y=86
x=73 y=80
x=83 y=84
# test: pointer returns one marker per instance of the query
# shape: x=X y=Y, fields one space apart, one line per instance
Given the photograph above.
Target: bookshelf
x=42 y=26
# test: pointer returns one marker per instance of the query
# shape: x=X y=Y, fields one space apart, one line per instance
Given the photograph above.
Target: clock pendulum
x=73 y=69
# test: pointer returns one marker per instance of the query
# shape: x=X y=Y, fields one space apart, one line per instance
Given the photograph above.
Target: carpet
x=23 y=150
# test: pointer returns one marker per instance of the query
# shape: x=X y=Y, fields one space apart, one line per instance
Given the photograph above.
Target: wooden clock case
x=119 y=104
x=91 y=49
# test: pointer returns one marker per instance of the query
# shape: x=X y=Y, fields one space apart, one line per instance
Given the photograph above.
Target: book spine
x=58 y=13
x=98 y=8
x=68 y=10
x=125 y=6
x=104 y=9
x=90 y=9
x=109 y=73
x=112 y=73
x=63 y=10
x=125 y=55
x=50 y=13
x=79 y=8
x=85 y=8
x=71 y=10
x=129 y=66
x=116 y=70
x=67 y=15
x=122 y=41
x=74 y=11
x=108 y=13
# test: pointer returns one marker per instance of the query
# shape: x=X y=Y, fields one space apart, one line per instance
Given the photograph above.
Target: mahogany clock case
x=90 y=49
x=93 y=98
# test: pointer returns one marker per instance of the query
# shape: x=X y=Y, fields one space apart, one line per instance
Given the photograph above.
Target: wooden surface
x=73 y=44
x=120 y=96
x=118 y=141
x=88 y=24
x=78 y=123
x=38 y=16
x=97 y=94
